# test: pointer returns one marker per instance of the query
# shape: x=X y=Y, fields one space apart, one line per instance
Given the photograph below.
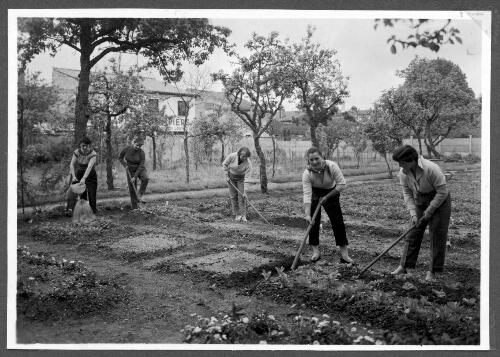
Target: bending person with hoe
x=322 y=183
x=239 y=171
x=85 y=157
x=133 y=158
x=428 y=200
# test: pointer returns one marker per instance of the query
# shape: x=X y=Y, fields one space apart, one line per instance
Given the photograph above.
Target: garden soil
x=189 y=258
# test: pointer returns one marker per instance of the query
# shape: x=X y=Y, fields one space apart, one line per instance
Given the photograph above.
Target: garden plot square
x=147 y=243
x=228 y=262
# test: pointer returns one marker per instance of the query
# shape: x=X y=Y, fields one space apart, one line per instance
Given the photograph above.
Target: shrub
x=455 y=157
x=471 y=159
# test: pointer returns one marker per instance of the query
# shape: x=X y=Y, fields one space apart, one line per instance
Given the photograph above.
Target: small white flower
x=324 y=323
x=72 y=262
x=326 y=316
x=31 y=278
x=271 y=317
x=314 y=320
x=316 y=342
x=370 y=332
x=217 y=336
x=358 y=340
x=193 y=315
x=353 y=329
x=354 y=323
x=317 y=331
x=245 y=320
x=213 y=319
x=263 y=343
x=274 y=332
x=368 y=338
x=336 y=322
x=379 y=342
x=224 y=337
x=197 y=329
x=64 y=260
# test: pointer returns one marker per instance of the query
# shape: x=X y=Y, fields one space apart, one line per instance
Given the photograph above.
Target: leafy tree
x=401 y=109
x=166 y=42
x=355 y=134
x=319 y=84
x=219 y=126
x=197 y=82
x=148 y=120
x=262 y=79
x=112 y=93
x=384 y=134
x=336 y=130
x=38 y=100
x=425 y=36
x=438 y=99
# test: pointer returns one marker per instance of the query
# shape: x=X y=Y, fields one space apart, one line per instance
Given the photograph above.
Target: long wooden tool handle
x=296 y=260
x=388 y=249
x=261 y=216
x=132 y=184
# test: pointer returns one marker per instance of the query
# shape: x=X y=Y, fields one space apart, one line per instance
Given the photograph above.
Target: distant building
x=159 y=94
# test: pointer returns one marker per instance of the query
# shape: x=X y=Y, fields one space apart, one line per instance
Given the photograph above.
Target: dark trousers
x=438 y=232
x=90 y=194
x=334 y=212
x=144 y=178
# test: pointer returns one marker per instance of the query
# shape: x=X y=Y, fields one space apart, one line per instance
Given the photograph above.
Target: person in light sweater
x=322 y=182
x=238 y=168
x=427 y=198
x=133 y=159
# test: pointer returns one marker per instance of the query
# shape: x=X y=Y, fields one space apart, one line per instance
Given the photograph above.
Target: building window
x=153 y=103
x=182 y=109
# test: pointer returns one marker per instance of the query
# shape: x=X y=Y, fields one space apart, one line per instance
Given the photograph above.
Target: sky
x=362 y=51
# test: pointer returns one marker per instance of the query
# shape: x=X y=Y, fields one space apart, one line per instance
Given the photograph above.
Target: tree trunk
x=274 y=154
x=109 y=156
x=154 y=151
x=388 y=166
x=263 y=175
x=186 y=152
x=82 y=114
x=314 y=139
x=20 y=144
x=431 y=149
x=419 y=143
x=222 y=151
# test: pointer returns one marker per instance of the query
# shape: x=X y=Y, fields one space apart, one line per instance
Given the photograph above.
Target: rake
x=386 y=250
x=296 y=260
x=261 y=216
x=139 y=202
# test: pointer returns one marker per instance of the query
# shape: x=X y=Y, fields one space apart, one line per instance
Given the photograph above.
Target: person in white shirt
x=238 y=168
x=427 y=198
x=323 y=181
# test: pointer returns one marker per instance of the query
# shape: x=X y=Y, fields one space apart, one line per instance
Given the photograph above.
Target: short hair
x=312 y=150
x=405 y=153
x=138 y=140
x=245 y=149
x=85 y=140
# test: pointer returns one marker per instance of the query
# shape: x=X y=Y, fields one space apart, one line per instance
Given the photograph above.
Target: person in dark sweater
x=82 y=169
x=133 y=158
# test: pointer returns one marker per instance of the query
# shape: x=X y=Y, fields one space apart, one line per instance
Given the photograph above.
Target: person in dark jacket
x=84 y=160
x=133 y=159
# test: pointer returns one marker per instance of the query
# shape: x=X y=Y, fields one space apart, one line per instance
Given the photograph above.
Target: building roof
x=150 y=85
